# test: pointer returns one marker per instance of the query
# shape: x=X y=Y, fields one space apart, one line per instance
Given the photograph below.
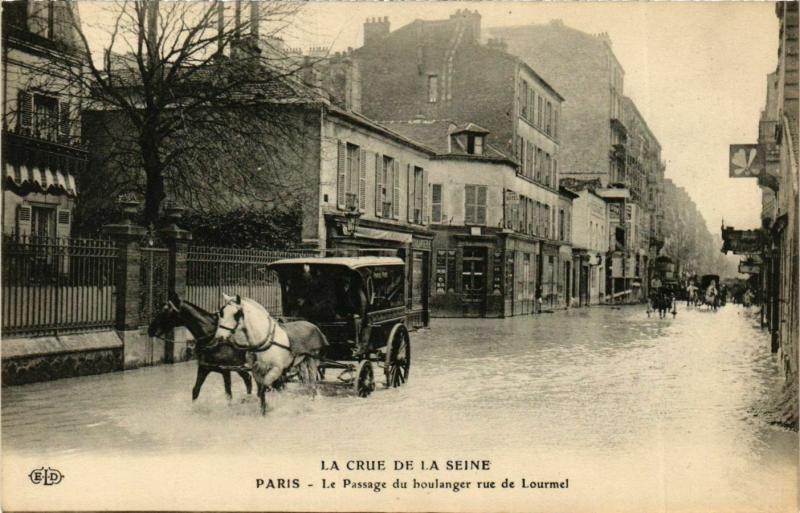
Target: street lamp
x=351 y=218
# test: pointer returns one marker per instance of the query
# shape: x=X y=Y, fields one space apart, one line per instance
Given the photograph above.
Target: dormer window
x=475 y=144
x=468 y=139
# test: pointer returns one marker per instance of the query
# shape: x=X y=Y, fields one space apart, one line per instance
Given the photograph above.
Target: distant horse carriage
x=357 y=309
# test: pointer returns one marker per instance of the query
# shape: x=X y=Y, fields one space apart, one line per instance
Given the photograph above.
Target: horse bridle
x=268 y=342
x=196 y=341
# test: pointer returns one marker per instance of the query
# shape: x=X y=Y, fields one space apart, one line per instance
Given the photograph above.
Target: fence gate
x=153 y=291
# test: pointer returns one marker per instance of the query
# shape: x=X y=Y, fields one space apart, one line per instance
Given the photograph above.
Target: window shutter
x=24 y=110
x=410 y=190
x=424 y=205
x=469 y=204
x=23 y=220
x=395 y=190
x=362 y=182
x=480 y=210
x=62 y=227
x=63 y=127
x=378 y=185
x=443 y=215
x=341 y=182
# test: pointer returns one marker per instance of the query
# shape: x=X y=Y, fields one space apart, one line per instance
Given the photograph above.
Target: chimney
x=152 y=28
x=375 y=29
x=472 y=19
x=497 y=43
x=254 y=18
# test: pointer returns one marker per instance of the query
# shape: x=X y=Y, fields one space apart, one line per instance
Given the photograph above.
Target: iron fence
x=212 y=271
x=52 y=285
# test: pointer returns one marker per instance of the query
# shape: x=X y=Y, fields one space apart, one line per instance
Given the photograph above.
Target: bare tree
x=194 y=100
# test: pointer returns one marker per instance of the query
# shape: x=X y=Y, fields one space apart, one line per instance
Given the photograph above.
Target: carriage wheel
x=364 y=382
x=398 y=357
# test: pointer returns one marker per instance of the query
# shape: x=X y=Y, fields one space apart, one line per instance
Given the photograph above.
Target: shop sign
x=746 y=160
x=741 y=241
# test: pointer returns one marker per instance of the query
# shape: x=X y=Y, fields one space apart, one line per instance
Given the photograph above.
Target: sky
x=696 y=71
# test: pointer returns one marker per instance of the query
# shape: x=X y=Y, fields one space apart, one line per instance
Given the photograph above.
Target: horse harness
x=264 y=345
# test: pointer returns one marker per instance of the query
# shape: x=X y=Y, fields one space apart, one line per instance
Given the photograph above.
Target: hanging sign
x=746 y=160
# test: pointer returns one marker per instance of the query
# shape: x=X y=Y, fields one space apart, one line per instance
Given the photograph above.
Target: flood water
x=604 y=393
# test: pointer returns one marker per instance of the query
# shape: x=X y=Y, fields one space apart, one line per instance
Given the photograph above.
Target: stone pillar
x=177 y=242
x=127 y=237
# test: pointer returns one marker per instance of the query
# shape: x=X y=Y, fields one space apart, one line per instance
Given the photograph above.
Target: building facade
x=41 y=112
x=604 y=138
x=437 y=73
x=498 y=237
x=773 y=260
x=589 y=243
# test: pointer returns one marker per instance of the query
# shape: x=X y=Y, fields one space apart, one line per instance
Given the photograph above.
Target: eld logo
x=46 y=476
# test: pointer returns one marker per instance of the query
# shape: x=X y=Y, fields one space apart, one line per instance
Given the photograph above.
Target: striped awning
x=44 y=177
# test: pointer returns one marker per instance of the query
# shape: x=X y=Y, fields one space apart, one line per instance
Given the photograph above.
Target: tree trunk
x=154 y=173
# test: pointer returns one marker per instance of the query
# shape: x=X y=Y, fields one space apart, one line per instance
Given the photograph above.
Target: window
x=433 y=88
x=45 y=117
x=384 y=188
x=547 y=169
x=539 y=164
x=475 y=204
x=43 y=222
x=419 y=190
x=351 y=177
x=548 y=117
x=555 y=122
x=473 y=270
x=524 y=96
x=555 y=172
x=548 y=221
x=529 y=162
x=445 y=271
x=475 y=144
x=539 y=113
x=561 y=230
x=353 y=166
x=436 y=203
x=531 y=105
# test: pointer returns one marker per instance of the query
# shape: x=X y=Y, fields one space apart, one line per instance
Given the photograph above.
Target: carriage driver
x=353 y=305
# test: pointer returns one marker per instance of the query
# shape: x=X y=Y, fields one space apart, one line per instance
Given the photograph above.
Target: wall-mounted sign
x=741 y=242
x=746 y=160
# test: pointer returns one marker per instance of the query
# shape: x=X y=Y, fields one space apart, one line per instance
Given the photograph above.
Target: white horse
x=271 y=353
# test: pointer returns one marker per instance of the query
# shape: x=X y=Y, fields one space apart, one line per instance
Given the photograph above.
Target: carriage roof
x=352 y=263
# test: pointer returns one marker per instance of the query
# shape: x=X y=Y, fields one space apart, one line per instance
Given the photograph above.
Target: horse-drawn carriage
x=359 y=305
x=347 y=314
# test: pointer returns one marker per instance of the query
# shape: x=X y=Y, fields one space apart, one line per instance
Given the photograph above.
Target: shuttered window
x=379 y=187
x=475 y=204
x=395 y=190
x=437 y=210
x=63 y=126
x=24 y=111
x=351 y=186
x=341 y=173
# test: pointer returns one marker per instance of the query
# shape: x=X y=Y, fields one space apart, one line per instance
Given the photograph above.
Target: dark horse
x=211 y=355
